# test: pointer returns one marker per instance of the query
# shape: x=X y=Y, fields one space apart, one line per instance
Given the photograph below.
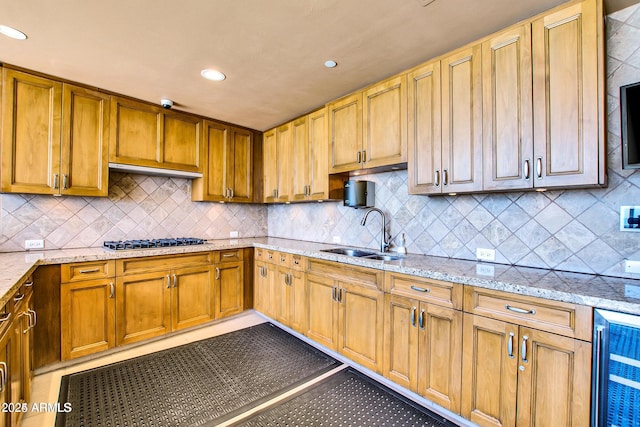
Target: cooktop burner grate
x=120 y=245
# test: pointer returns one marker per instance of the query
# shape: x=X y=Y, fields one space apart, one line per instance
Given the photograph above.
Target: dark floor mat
x=194 y=384
x=347 y=398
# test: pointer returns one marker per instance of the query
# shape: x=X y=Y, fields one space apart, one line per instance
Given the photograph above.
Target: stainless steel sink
x=362 y=253
x=350 y=252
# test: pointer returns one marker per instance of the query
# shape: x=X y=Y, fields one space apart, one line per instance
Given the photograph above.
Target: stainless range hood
x=144 y=170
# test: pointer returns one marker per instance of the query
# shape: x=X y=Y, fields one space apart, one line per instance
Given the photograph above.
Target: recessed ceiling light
x=212 y=75
x=12 y=32
x=330 y=64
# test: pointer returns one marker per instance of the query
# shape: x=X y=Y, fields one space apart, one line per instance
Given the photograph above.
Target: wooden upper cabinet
x=424 y=129
x=32 y=111
x=148 y=136
x=301 y=155
x=385 y=123
x=318 y=155
x=568 y=104
x=270 y=174
x=507 y=110
x=228 y=172
x=55 y=140
x=284 y=161
x=462 y=121
x=345 y=132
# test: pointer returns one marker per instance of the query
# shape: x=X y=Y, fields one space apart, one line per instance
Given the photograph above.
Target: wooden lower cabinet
x=88 y=320
x=192 y=297
x=6 y=355
x=346 y=314
x=228 y=289
x=424 y=349
x=519 y=376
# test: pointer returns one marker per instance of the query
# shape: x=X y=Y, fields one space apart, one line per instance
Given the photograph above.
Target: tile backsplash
x=574 y=230
x=138 y=207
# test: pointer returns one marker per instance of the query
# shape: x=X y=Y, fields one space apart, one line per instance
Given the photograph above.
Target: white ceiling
x=272 y=51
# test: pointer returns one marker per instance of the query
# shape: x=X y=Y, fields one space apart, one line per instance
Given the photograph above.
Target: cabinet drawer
x=79 y=271
x=283 y=259
x=260 y=254
x=571 y=320
x=297 y=262
x=129 y=266
x=228 y=255
x=446 y=294
x=363 y=275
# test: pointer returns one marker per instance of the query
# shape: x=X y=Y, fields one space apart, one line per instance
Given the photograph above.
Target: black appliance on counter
x=121 y=245
x=616 y=370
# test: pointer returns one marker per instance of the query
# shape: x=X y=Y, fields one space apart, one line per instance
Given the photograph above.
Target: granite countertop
x=605 y=292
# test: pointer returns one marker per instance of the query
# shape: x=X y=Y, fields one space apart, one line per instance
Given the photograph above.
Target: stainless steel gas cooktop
x=121 y=245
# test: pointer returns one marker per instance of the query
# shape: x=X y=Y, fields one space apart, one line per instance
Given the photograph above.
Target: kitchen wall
x=138 y=207
x=575 y=230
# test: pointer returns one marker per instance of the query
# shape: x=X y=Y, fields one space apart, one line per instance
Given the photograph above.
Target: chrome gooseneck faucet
x=384 y=243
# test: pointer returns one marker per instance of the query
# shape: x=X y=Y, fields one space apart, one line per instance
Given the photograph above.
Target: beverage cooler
x=616 y=370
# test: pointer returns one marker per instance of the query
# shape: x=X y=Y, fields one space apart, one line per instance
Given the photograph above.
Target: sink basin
x=350 y=252
x=382 y=257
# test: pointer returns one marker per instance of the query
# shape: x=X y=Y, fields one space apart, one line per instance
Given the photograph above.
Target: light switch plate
x=336 y=239
x=34 y=244
x=484 y=254
x=631 y=266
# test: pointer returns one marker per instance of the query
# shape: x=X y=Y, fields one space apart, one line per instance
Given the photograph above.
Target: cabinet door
x=568 y=127
x=318 y=155
x=284 y=161
x=31 y=115
x=6 y=352
x=322 y=311
x=300 y=164
x=554 y=381
x=192 y=297
x=182 y=142
x=229 y=289
x=424 y=130
x=401 y=341
x=345 y=132
x=462 y=121
x=260 y=288
x=87 y=317
x=270 y=166
x=143 y=307
x=213 y=185
x=298 y=306
x=490 y=369
x=24 y=322
x=283 y=296
x=136 y=133
x=507 y=110
x=385 y=123
x=361 y=326
x=240 y=175
x=85 y=142
x=440 y=355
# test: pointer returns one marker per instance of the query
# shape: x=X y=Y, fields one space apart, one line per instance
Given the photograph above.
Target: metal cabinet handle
x=91 y=270
x=416 y=288
x=5 y=317
x=333 y=294
x=421 y=319
x=597 y=372
x=228 y=255
x=175 y=280
x=519 y=310
x=287 y=279
x=340 y=295
x=28 y=284
x=445 y=177
x=526 y=169
x=168 y=281
x=510 y=345
x=217 y=273
x=539 y=167
x=232 y=193
x=112 y=290
x=33 y=320
x=65 y=181
x=56 y=180
x=523 y=350
x=436 y=178
x=18 y=298
x=359 y=157
x=264 y=271
x=364 y=156
x=3 y=376
x=413 y=316
x=28 y=315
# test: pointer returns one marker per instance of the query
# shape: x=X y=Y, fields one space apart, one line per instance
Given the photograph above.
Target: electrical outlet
x=233 y=234
x=34 y=244
x=336 y=239
x=485 y=270
x=631 y=266
x=631 y=291
x=485 y=254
